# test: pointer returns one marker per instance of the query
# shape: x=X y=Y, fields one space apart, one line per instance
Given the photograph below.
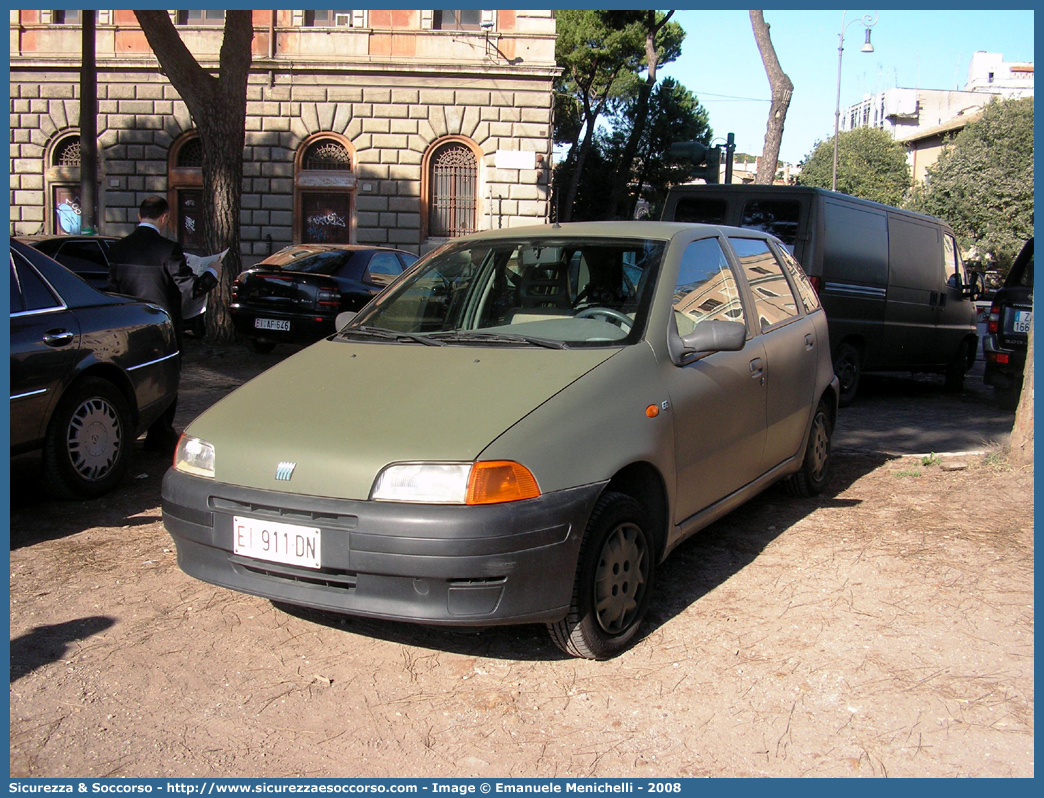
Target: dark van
x=892 y=282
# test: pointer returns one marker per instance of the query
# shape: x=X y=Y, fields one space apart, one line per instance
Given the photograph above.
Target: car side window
x=384 y=267
x=74 y=251
x=706 y=287
x=773 y=297
x=16 y=295
x=952 y=263
x=800 y=280
x=35 y=293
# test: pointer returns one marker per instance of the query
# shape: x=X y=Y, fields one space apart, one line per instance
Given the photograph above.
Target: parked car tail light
x=816 y=281
x=328 y=299
x=993 y=322
x=500 y=481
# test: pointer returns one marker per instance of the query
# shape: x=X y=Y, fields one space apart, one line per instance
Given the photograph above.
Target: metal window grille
x=191 y=154
x=67 y=153
x=327 y=156
x=454 y=174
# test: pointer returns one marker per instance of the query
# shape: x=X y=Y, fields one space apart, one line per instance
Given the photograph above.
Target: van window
x=706 y=287
x=698 y=210
x=775 y=217
x=952 y=262
x=773 y=297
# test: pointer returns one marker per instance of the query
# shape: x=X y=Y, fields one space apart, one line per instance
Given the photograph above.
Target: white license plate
x=272 y=324
x=269 y=540
x=1021 y=321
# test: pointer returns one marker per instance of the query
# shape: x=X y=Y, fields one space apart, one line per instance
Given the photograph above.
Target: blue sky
x=720 y=63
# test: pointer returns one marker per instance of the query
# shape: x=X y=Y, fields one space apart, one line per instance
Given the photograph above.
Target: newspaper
x=190 y=308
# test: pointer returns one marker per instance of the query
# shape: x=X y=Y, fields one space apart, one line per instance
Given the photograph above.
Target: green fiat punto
x=519 y=429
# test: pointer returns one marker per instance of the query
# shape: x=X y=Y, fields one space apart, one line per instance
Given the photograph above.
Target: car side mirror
x=707 y=337
x=975 y=287
x=343 y=318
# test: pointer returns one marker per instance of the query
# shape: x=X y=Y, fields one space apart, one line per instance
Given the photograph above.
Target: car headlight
x=194 y=456
x=492 y=482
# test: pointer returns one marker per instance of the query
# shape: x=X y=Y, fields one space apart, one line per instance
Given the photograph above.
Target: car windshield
x=561 y=292
x=322 y=262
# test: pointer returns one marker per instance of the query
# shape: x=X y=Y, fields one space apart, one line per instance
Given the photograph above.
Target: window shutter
x=426 y=20
x=489 y=18
x=297 y=19
x=358 y=19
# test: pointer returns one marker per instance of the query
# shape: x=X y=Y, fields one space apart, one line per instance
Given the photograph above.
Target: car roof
x=296 y=252
x=618 y=229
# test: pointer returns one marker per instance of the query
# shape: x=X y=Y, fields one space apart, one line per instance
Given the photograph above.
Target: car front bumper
x=437 y=564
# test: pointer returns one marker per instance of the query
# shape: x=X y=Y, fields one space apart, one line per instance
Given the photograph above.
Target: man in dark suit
x=149 y=266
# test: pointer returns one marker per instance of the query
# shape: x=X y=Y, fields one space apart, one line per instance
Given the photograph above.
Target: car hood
x=342 y=411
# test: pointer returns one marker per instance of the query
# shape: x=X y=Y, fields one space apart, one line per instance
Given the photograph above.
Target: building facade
x=925 y=119
x=401 y=128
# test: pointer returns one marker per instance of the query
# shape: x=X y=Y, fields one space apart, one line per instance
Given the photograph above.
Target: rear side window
x=697 y=210
x=808 y=295
x=75 y=252
x=775 y=217
x=773 y=299
x=706 y=287
x=34 y=291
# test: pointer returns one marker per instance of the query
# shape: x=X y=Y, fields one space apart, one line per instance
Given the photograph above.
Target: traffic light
x=705 y=160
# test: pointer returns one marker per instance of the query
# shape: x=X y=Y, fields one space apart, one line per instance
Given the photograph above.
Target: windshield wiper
x=464 y=336
x=389 y=335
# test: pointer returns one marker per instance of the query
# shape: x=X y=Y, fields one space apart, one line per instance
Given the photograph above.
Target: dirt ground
x=883 y=629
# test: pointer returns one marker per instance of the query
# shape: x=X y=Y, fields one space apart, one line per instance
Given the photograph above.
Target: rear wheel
x=87 y=449
x=613 y=581
x=261 y=347
x=815 y=468
x=958 y=367
x=848 y=367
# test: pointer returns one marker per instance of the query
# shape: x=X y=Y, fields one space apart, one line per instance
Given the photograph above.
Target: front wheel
x=815 y=468
x=613 y=581
x=87 y=450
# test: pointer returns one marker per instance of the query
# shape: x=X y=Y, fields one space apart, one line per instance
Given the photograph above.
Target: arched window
x=324 y=186
x=452 y=191
x=185 y=186
x=63 y=178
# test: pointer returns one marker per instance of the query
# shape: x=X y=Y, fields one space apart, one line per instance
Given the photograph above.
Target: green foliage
x=982 y=183
x=869 y=165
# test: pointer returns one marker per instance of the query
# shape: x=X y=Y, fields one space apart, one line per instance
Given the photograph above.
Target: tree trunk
x=1022 y=433
x=782 y=89
x=218 y=107
x=620 y=200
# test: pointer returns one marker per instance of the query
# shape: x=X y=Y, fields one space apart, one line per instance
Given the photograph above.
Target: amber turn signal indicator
x=500 y=481
x=652 y=411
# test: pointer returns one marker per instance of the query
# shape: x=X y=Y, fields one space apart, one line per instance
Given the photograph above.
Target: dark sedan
x=89 y=373
x=294 y=296
x=87 y=256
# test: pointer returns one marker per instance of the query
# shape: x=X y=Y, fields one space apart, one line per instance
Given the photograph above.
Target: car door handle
x=58 y=337
x=809 y=341
x=756 y=367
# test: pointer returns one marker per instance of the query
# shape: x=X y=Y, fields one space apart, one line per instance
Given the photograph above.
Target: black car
x=87 y=256
x=1007 y=330
x=89 y=373
x=294 y=296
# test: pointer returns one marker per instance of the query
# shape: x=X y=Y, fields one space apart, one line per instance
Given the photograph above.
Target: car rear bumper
x=468 y=566
x=1003 y=366
x=303 y=328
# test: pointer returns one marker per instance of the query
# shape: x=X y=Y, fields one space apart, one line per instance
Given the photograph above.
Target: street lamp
x=867 y=22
